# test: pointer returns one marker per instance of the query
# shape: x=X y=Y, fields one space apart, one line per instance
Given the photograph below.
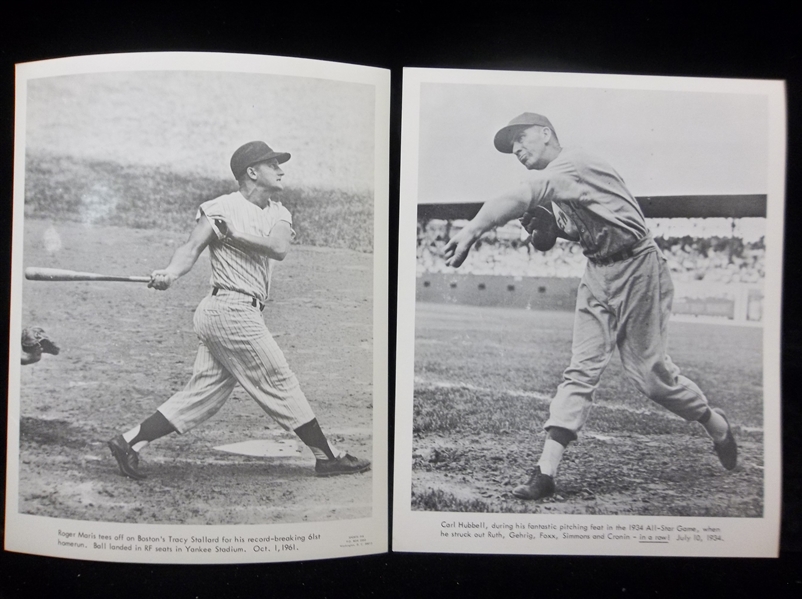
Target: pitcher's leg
x=591 y=350
x=643 y=341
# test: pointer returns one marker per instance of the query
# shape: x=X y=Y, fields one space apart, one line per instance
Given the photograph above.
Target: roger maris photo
x=195 y=294
x=593 y=284
x=246 y=232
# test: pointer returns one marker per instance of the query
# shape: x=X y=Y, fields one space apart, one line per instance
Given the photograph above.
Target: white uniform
x=235 y=344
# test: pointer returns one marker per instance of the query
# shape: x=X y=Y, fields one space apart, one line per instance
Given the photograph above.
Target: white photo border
x=420 y=531
x=339 y=538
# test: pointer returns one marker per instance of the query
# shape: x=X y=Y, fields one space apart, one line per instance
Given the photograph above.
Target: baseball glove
x=541 y=226
x=35 y=341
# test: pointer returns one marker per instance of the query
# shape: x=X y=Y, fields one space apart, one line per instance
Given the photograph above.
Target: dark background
x=756 y=40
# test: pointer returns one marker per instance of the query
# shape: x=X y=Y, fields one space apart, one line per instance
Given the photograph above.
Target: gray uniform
x=624 y=298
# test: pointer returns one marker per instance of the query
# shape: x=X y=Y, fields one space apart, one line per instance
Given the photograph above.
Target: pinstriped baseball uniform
x=624 y=298
x=235 y=344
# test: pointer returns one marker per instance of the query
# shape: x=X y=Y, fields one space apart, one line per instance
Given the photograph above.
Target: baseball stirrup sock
x=551 y=456
x=715 y=425
x=152 y=428
x=562 y=435
x=314 y=438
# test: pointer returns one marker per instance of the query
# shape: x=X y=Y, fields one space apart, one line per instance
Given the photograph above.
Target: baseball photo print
x=199 y=285
x=589 y=314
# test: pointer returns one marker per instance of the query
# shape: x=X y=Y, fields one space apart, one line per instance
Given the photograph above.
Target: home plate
x=265 y=448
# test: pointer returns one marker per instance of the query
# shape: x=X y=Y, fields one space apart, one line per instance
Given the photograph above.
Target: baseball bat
x=37 y=273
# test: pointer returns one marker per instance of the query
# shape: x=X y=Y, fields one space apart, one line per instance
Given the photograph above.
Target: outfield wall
x=735 y=302
x=534 y=293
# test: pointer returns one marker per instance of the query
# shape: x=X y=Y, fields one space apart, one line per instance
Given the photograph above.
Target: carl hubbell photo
x=589 y=296
x=226 y=378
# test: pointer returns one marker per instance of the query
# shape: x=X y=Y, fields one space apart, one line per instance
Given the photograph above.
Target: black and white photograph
x=202 y=320
x=592 y=265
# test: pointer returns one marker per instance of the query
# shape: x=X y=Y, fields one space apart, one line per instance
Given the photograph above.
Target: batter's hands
x=222 y=227
x=458 y=247
x=226 y=229
x=161 y=279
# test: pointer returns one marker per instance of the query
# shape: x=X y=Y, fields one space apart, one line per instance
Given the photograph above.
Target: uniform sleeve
x=550 y=185
x=211 y=210
x=541 y=188
x=284 y=215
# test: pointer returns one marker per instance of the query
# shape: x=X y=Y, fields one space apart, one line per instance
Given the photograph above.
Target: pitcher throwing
x=624 y=298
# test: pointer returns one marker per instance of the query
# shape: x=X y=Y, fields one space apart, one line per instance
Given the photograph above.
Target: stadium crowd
x=720 y=259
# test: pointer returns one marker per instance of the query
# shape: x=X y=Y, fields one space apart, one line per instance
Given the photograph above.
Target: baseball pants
x=236 y=347
x=626 y=305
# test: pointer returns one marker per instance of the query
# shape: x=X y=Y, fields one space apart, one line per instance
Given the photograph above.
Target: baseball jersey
x=607 y=217
x=234 y=269
x=565 y=223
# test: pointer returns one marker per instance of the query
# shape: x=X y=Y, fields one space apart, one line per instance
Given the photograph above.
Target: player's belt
x=254 y=302
x=636 y=248
x=624 y=254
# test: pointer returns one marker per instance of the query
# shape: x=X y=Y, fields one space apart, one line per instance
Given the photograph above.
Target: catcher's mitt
x=35 y=340
x=542 y=227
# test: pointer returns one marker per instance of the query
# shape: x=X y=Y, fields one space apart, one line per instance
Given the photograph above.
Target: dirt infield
x=483 y=381
x=126 y=348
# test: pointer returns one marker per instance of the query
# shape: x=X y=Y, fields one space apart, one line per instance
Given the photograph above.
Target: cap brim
x=281 y=157
x=505 y=137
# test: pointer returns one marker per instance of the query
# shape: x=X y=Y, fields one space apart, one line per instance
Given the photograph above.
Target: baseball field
x=483 y=381
x=125 y=348
x=116 y=164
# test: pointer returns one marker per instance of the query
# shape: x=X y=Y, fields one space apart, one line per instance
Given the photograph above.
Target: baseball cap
x=253 y=152
x=506 y=135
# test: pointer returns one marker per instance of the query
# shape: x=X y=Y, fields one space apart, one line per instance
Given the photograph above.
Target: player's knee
x=583 y=375
x=563 y=436
x=651 y=388
x=653 y=380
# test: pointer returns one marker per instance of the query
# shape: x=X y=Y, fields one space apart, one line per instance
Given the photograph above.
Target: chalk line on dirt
x=422 y=383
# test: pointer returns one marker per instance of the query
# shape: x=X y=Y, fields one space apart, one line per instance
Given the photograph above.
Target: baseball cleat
x=345 y=464
x=537 y=487
x=127 y=458
x=726 y=450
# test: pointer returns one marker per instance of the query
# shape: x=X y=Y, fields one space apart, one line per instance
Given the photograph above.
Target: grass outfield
x=483 y=381
x=107 y=193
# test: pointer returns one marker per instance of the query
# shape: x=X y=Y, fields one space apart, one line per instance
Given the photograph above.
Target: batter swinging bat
x=36 y=273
